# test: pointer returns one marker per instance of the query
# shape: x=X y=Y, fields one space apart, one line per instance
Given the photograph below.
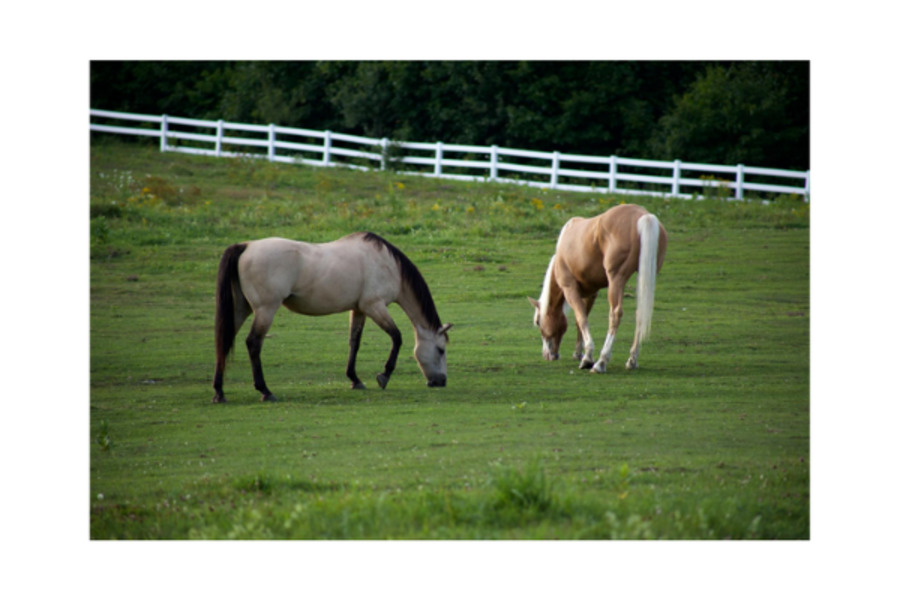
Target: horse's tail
x=648 y=230
x=228 y=282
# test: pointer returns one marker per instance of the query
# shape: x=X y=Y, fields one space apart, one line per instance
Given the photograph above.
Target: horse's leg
x=579 y=343
x=262 y=320
x=579 y=307
x=241 y=312
x=357 y=321
x=615 y=295
x=631 y=364
x=382 y=317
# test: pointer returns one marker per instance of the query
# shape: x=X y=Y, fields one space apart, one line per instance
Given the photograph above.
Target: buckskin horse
x=603 y=251
x=361 y=273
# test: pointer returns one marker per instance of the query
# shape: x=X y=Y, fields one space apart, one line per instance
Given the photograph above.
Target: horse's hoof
x=219 y=399
x=586 y=363
x=270 y=397
x=382 y=380
x=600 y=367
x=359 y=385
x=631 y=365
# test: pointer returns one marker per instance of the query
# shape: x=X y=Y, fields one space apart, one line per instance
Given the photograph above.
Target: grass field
x=709 y=439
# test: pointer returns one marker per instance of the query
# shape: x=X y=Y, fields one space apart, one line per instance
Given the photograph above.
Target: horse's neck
x=556 y=299
x=410 y=305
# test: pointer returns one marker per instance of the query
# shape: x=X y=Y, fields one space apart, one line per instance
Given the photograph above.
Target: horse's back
x=273 y=257
x=593 y=248
x=312 y=279
x=622 y=234
x=268 y=269
x=579 y=255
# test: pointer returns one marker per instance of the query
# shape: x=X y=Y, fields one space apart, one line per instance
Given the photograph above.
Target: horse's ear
x=445 y=329
x=534 y=302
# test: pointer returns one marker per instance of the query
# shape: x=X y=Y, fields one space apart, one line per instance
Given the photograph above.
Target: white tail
x=648 y=230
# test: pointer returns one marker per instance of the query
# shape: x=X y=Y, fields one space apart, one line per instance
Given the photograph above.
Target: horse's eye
x=440 y=351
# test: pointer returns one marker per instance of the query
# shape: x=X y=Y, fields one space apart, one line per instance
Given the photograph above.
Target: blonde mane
x=545 y=290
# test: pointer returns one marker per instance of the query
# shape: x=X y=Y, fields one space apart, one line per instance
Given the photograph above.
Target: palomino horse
x=361 y=273
x=592 y=254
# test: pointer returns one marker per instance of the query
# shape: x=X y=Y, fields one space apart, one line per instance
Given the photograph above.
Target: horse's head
x=552 y=327
x=431 y=354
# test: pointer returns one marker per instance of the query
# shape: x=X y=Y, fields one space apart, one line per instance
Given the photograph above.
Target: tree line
x=726 y=112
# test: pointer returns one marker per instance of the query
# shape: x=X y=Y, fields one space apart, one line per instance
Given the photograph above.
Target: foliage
x=751 y=113
x=709 y=439
x=754 y=113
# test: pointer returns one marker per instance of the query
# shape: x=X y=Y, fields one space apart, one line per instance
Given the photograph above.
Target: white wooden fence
x=552 y=170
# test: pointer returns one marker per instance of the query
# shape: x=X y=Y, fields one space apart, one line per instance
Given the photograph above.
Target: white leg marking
x=605 y=354
x=587 y=359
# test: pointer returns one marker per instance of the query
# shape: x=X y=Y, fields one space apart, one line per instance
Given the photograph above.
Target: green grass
x=709 y=439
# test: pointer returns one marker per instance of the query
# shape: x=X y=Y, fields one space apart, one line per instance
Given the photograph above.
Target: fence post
x=613 y=170
x=271 y=141
x=438 y=157
x=554 y=171
x=806 y=188
x=220 y=130
x=384 y=147
x=326 y=150
x=493 y=163
x=676 y=176
x=739 y=189
x=163 y=132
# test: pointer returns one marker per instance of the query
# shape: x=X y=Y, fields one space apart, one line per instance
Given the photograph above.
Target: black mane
x=411 y=276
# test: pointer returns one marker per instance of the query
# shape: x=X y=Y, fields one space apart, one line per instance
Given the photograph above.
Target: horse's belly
x=317 y=306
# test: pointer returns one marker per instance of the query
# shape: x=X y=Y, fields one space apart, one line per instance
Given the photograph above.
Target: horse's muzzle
x=439 y=381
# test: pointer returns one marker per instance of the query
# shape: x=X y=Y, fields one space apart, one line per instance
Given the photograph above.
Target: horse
x=361 y=273
x=603 y=251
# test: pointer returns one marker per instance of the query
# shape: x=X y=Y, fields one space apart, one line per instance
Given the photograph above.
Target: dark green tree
x=755 y=113
x=288 y=93
x=187 y=89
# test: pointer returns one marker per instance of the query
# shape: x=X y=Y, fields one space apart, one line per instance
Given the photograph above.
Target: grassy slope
x=709 y=439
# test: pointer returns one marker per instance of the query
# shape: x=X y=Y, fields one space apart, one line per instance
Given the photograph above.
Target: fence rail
x=571 y=172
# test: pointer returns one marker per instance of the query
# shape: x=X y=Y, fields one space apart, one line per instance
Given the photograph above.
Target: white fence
x=552 y=170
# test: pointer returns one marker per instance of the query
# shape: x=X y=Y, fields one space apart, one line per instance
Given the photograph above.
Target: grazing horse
x=591 y=254
x=361 y=273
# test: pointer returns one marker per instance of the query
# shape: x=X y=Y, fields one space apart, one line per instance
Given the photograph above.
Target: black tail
x=225 y=329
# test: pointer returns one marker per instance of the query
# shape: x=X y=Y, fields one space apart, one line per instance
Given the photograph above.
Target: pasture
x=708 y=439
